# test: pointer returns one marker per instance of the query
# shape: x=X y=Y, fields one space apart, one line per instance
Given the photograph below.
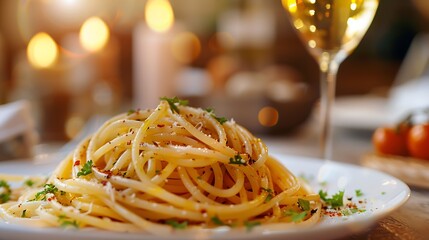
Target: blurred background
x=73 y=59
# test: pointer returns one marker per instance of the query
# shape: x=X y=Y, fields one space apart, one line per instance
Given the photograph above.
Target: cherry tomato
x=418 y=141
x=390 y=141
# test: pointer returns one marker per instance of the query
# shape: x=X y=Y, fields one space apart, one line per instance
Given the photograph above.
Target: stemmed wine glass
x=331 y=30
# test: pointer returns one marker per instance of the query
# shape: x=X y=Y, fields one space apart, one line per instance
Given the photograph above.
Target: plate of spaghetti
x=185 y=173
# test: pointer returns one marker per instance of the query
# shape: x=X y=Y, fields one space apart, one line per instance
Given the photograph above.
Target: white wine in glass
x=331 y=30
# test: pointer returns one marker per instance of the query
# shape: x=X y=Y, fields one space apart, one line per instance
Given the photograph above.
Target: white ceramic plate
x=382 y=194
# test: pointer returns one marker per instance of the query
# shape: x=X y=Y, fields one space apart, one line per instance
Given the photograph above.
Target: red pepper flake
x=129 y=142
x=104 y=182
x=161 y=125
x=77 y=163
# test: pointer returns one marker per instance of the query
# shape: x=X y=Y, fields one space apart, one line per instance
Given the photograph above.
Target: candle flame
x=42 y=51
x=159 y=15
x=94 y=34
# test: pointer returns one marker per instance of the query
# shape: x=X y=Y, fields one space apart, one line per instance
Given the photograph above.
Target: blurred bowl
x=257 y=113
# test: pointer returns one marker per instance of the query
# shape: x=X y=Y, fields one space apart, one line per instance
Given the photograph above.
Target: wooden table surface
x=411 y=221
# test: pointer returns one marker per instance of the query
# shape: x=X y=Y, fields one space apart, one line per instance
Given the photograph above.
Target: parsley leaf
x=86 y=169
x=270 y=194
x=349 y=211
x=29 y=182
x=4 y=184
x=174 y=102
x=48 y=188
x=221 y=120
x=175 y=224
x=359 y=193
x=217 y=221
x=335 y=201
x=251 y=225
x=5 y=196
x=296 y=216
x=131 y=111
x=23 y=213
x=67 y=223
x=237 y=160
x=304 y=204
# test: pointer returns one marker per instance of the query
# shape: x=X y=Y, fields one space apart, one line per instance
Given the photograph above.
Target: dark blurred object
x=259 y=114
x=273 y=100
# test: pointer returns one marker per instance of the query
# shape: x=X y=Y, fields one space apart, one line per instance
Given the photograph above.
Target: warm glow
x=186 y=47
x=159 y=15
x=312 y=44
x=298 y=23
x=268 y=116
x=94 y=34
x=42 y=51
x=290 y=4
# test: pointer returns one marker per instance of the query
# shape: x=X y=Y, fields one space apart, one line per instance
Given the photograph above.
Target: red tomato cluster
x=403 y=140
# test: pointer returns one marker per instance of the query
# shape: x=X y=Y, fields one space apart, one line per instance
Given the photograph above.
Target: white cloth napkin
x=18 y=134
x=407 y=97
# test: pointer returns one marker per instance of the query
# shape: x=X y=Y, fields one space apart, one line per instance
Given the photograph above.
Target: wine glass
x=331 y=30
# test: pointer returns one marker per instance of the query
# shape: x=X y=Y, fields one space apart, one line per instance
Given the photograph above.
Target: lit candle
x=39 y=77
x=94 y=57
x=154 y=66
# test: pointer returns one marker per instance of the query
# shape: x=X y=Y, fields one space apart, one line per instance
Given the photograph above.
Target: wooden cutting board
x=413 y=171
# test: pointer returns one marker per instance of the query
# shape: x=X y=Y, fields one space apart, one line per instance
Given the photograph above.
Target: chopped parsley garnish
x=359 y=193
x=221 y=120
x=67 y=223
x=270 y=194
x=176 y=225
x=350 y=211
x=250 y=225
x=237 y=160
x=217 y=221
x=4 y=184
x=383 y=193
x=304 y=204
x=29 y=182
x=23 y=213
x=335 y=201
x=48 y=188
x=131 y=111
x=86 y=169
x=296 y=216
x=5 y=195
x=174 y=103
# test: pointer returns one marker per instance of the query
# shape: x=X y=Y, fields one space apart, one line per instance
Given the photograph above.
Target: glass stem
x=329 y=70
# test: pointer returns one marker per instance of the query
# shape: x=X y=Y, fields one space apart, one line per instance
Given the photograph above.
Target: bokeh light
x=268 y=116
x=42 y=51
x=186 y=47
x=159 y=15
x=94 y=34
